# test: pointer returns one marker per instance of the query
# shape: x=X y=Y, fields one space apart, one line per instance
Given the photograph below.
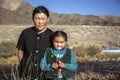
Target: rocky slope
x=15 y=12
x=19 y=12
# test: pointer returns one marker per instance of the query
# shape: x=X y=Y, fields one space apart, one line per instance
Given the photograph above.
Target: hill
x=19 y=12
x=15 y=12
x=76 y=19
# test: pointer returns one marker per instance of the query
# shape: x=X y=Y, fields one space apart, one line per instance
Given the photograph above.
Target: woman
x=32 y=43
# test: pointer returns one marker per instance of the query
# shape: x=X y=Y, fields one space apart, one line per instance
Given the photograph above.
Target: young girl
x=59 y=62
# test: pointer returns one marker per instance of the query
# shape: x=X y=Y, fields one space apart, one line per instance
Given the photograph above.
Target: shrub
x=7 y=49
x=93 y=50
x=82 y=50
x=79 y=51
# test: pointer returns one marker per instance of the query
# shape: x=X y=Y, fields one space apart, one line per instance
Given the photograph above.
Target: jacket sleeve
x=73 y=63
x=43 y=64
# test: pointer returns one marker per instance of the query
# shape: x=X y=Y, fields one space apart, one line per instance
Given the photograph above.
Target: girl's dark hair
x=59 y=33
x=40 y=9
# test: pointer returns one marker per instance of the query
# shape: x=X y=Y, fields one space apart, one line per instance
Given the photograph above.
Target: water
x=111 y=50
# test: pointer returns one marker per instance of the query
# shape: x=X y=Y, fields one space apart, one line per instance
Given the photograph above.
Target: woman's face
x=40 y=21
x=59 y=42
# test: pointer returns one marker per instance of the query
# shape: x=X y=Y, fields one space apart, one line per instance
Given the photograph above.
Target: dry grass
x=13 y=59
x=94 y=76
x=9 y=60
x=77 y=35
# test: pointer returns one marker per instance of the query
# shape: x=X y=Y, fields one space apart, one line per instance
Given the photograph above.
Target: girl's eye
x=59 y=42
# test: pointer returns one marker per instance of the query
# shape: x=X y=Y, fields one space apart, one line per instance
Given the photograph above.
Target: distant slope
x=76 y=19
x=20 y=15
x=20 y=12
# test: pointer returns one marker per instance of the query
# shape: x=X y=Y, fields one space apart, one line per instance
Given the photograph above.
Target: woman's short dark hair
x=40 y=9
x=59 y=33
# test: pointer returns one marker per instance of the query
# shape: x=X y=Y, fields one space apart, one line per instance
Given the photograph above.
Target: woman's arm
x=20 y=55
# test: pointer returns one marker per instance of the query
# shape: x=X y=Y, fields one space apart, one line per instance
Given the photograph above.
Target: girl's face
x=40 y=21
x=59 y=42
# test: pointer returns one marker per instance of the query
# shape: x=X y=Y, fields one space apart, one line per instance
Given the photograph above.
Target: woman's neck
x=39 y=32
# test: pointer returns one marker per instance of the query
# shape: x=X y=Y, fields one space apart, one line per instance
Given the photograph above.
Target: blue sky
x=83 y=7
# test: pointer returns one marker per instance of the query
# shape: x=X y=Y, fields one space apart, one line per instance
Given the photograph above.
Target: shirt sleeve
x=43 y=65
x=20 y=43
x=73 y=63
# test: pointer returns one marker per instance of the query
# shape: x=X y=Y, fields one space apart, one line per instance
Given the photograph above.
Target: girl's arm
x=43 y=64
x=73 y=63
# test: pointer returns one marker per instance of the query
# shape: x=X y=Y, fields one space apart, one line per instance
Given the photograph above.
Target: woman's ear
x=48 y=20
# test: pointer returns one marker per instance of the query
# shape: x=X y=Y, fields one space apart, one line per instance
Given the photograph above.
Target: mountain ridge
x=20 y=12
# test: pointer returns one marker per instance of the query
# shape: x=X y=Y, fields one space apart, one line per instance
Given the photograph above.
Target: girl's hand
x=55 y=65
x=61 y=64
